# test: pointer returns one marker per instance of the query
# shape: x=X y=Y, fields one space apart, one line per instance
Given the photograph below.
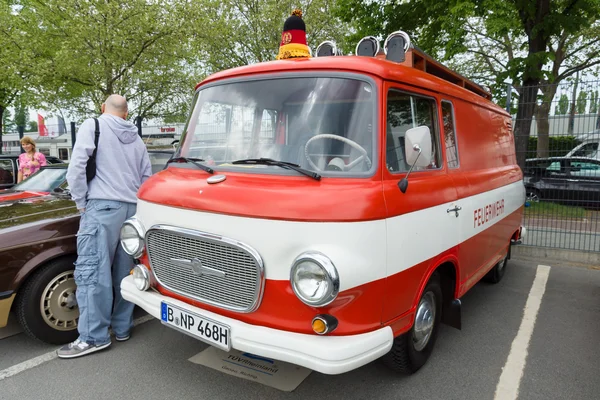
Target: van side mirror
x=421 y=137
x=417 y=151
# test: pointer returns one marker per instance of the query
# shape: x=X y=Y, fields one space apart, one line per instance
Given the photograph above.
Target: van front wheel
x=411 y=350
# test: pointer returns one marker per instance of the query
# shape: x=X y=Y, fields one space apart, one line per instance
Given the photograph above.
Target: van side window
x=406 y=111
x=449 y=134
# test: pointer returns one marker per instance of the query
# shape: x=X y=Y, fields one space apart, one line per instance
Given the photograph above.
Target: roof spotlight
x=367 y=46
x=328 y=48
x=396 y=45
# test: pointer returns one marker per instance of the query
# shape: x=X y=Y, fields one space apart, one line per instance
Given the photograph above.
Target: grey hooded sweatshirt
x=122 y=162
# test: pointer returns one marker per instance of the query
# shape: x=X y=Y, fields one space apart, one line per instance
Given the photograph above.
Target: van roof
x=412 y=75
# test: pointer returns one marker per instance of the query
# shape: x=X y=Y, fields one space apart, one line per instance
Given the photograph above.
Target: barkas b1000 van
x=328 y=211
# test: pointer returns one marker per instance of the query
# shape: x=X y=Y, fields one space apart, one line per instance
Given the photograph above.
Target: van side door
x=421 y=232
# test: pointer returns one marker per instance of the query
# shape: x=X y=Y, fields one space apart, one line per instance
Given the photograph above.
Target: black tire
x=54 y=281
x=533 y=195
x=404 y=357
x=495 y=275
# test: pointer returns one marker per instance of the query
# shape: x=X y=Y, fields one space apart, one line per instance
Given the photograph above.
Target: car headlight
x=132 y=237
x=314 y=279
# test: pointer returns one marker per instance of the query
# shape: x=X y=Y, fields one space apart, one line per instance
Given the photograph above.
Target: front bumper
x=325 y=354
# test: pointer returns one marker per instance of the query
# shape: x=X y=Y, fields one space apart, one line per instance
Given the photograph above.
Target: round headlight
x=132 y=238
x=141 y=277
x=315 y=279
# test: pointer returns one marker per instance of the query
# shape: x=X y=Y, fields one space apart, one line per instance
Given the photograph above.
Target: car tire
x=495 y=275
x=46 y=306
x=411 y=350
x=533 y=195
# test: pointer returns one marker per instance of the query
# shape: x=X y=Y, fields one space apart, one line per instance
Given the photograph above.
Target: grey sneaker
x=122 y=338
x=79 y=348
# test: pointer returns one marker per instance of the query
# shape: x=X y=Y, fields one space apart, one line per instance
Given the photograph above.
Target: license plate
x=196 y=325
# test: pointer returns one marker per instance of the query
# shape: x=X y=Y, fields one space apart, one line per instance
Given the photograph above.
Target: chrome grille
x=171 y=251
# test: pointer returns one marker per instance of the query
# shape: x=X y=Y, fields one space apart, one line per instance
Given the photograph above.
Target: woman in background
x=31 y=161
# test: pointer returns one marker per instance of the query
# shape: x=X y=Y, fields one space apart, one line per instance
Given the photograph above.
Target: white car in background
x=588 y=147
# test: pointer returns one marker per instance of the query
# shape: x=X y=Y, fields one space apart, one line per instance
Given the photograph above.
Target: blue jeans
x=101 y=265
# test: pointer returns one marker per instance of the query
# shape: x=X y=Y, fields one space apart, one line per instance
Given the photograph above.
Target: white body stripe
x=362 y=251
x=418 y=236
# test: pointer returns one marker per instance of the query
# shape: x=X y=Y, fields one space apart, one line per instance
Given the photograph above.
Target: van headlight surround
x=132 y=237
x=314 y=279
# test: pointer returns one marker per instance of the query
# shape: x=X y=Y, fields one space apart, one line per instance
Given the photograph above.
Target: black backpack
x=90 y=169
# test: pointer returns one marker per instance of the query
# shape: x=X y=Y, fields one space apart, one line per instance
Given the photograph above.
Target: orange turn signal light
x=323 y=324
x=319 y=326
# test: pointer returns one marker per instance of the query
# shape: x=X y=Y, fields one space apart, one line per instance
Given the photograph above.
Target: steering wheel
x=362 y=158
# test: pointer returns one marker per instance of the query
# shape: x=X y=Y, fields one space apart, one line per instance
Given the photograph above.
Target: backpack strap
x=96 y=137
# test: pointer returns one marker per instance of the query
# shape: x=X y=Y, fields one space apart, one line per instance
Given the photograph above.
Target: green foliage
x=247 y=32
x=563 y=105
x=8 y=124
x=581 y=102
x=489 y=40
x=558 y=145
x=139 y=49
x=593 y=102
x=32 y=126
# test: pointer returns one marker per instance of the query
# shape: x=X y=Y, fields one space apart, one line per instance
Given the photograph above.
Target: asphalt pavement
x=560 y=358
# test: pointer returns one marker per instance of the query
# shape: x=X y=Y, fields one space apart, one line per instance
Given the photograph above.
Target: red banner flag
x=43 y=131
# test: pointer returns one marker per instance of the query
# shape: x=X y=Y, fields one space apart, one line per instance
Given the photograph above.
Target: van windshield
x=322 y=124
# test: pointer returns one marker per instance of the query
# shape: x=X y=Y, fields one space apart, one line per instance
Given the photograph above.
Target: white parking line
x=510 y=379
x=34 y=362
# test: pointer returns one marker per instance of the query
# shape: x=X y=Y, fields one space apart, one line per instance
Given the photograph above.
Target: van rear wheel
x=495 y=275
x=411 y=350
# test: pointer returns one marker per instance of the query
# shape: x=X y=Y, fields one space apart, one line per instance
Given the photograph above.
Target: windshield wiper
x=195 y=161
x=282 y=164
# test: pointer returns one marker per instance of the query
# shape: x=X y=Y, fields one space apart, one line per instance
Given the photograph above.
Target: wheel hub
x=58 y=304
x=424 y=321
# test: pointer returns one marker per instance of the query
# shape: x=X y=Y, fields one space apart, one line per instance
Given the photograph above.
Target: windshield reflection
x=45 y=180
x=322 y=124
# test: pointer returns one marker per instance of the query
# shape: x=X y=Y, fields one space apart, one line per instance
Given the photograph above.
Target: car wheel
x=46 y=305
x=495 y=275
x=411 y=350
x=533 y=196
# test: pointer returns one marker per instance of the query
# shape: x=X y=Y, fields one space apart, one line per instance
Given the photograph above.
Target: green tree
x=244 y=32
x=593 y=101
x=139 y=49
x=8 y=124
x=18 y=63
x=32 y=126
x=563 y=105
x=581 y=102
x=528 y=41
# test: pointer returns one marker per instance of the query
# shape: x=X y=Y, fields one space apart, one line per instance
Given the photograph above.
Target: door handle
x=455 y=210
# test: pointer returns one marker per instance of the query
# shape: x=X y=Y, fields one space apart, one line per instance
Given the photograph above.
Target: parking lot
x=529 y=336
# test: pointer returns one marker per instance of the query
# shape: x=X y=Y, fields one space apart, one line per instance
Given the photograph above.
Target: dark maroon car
x=38 y=247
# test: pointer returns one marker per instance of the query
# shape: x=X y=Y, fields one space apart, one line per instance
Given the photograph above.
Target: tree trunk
x=571 y=126
x=532 y=17
x=1 y=116
x=542 y=114
x=525 y=112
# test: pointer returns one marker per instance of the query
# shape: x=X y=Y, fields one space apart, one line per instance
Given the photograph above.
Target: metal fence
x=562 y=166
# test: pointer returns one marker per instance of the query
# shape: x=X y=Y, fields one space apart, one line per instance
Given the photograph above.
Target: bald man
x=105 y=202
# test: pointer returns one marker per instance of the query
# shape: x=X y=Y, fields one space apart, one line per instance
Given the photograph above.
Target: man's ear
x=102 y=107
